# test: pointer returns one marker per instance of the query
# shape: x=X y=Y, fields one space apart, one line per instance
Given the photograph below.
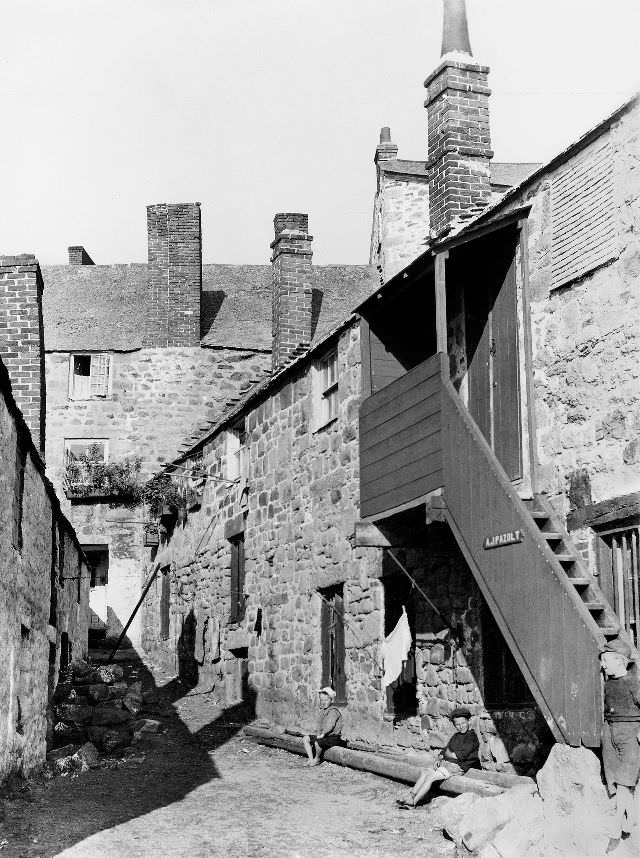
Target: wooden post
x=528 y=353
x=441 y=301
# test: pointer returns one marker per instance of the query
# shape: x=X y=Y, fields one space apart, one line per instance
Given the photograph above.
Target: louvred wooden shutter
x=584 y=233
x=100 y=375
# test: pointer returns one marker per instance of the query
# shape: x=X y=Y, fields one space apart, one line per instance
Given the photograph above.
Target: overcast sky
x=258 y=106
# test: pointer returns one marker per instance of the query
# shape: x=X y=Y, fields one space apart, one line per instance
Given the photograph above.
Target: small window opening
x=238 y=598
x=18 y=493
x=98 y=560
x=332 y=641
x=165 y=601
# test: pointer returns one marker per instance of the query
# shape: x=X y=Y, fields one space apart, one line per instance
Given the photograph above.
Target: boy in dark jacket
x=621 y=736
x=460 y=755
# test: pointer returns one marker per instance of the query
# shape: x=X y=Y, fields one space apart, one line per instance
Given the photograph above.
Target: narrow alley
x=198 y=788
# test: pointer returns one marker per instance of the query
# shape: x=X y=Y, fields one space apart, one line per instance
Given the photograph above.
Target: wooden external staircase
x=550 y=610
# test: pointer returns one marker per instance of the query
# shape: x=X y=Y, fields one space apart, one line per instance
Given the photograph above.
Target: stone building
x=44 y=580
x=140 y=357
x=462 y=447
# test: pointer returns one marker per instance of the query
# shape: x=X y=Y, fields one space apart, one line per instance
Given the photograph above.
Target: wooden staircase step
x=580 y=582
x=551 y=535
x=566 y=558
x=595 y=607
x=609 y=631
x=539 y=514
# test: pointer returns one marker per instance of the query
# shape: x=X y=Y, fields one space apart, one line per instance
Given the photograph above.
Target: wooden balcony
x=401 y=440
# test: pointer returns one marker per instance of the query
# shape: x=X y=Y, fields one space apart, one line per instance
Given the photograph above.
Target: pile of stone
x=566 y=813
x=94 y=708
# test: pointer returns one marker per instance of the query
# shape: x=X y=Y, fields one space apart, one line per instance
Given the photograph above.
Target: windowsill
x=97 y=396
x=324 y=425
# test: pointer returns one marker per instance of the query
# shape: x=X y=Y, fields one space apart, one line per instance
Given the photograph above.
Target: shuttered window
x=619 y=570
x=89 y=376
x=584 y=233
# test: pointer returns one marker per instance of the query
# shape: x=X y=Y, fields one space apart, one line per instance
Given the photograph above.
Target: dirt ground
x=198 y=788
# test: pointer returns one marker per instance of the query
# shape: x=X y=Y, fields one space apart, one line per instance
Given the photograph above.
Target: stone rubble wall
x=300 y=511
x=159 y=397
x=400 y=222
x=586 y=342
x=30 y=646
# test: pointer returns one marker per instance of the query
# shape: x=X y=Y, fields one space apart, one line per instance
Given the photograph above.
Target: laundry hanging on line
x=395 y=649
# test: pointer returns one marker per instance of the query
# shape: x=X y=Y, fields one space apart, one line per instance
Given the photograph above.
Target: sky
x=257 y=106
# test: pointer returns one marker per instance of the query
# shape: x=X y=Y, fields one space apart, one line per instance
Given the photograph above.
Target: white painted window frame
x=324 y=385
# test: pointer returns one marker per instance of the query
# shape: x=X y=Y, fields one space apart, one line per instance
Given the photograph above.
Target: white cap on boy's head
x=328 y=691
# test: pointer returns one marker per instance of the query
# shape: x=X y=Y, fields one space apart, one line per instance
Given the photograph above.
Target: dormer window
x=89 y=376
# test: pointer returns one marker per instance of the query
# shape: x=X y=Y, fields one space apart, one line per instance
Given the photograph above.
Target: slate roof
x=503 y=174
x=105 y=307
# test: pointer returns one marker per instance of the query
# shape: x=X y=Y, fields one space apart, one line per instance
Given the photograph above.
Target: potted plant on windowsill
x=87 y=475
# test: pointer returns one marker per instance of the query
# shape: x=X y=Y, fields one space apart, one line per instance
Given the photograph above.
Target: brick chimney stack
x=79 y=256
x=22 y=338
x=175 y=274
x=459 y=146
x=292 y=285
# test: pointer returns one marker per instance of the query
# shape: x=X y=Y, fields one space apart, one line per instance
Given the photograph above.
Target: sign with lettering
x=501 y=539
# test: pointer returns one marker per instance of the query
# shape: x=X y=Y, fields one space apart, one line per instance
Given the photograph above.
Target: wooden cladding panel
x=584 y=232
x=549 y=630
x=400 y=440
x=385 y=368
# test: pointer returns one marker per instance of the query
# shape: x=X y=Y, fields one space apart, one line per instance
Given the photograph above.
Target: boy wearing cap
x=328 y=729
x=460 y=755
x=621 y=736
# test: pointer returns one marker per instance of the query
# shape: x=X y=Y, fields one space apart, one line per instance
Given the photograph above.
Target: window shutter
x=582 y=213
x=100 y=375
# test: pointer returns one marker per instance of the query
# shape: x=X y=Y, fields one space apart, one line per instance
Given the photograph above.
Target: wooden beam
x=369 y=535
x=441 y=301
x=365 y=357
x=528 y=355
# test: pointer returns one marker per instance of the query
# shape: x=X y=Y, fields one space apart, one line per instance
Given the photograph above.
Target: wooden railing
x=550 y=631
x=401 y=440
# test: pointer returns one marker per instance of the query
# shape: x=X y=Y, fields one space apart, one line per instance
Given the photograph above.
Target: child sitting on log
x=460 y=755
x=328 y=730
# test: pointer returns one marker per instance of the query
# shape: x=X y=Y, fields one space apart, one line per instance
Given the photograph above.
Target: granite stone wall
x=158 y=399
x=44 y=592
x=400 y=222
x=298 y=514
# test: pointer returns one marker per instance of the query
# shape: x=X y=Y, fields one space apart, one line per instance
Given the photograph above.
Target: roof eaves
x=235 y=408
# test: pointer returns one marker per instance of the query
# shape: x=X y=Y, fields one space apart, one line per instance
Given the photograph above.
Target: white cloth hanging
x=395 y=649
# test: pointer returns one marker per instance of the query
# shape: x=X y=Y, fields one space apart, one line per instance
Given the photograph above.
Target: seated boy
x=328 y=728
x=460 y=755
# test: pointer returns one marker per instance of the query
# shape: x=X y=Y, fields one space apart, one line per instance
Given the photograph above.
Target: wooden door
x=492 y=360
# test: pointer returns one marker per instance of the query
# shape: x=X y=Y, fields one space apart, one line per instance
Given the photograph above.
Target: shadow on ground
x=45 y=818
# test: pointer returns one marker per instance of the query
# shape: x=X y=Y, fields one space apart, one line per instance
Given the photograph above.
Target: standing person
x=328 y=729
x=460 y=755
x=621 y=737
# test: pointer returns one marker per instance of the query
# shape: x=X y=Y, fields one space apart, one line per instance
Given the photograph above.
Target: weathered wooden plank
x=423 y=429
x=400 y=495
x=372 y=431
x=377 y=482
x=480 y=500
x=412 y=385
x=402 y=454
